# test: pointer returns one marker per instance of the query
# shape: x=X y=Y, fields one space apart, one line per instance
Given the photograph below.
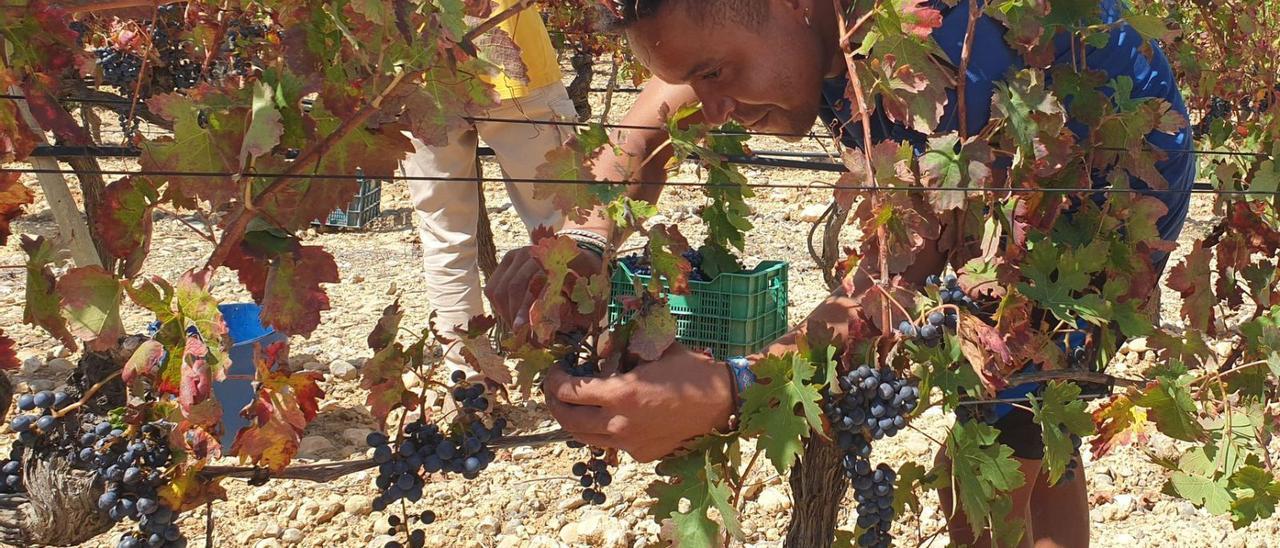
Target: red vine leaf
x=1119 y=422
x=293 y=298
x=91 y=305
x=499 y=48
x=986 y=352
x=49 y=113
x=478 y=351
x=382 y=376
x=1191 y=278
x=143 y=366
x=666 y=245
x=1248 y=219
x=384 y=333
x=42 y=298
x=549 y=310
x=13 y=195
x=652 y=330
x=16 y=138
x=208 y=129
x=283 y=406
x=196 y=385
x=920 y=18
x=124 y=221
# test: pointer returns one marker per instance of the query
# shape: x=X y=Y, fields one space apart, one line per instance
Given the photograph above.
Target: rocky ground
x=528 y=497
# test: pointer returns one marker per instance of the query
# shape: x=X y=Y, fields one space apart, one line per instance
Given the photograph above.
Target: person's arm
x=645 y=152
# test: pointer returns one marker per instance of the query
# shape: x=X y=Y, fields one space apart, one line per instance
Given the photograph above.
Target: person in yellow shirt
x=448 y=211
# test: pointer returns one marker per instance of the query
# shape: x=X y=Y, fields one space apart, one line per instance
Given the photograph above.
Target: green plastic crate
x=734 y=314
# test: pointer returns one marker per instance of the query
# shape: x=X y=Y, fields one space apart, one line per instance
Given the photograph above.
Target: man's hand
x=649 y=412
x=518 y=280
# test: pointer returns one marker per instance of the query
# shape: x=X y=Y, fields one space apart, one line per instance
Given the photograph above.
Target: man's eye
x=711 y=75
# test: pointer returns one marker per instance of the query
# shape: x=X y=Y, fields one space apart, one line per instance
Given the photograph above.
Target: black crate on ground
x=364 y=208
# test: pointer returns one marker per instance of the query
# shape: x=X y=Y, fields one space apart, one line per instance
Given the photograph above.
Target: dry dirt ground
x=529 y=497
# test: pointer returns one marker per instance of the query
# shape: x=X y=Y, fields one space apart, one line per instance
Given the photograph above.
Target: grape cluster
x=417 y=537
x=40 y=422
x=133 y=466
x=640 y=266
x=873 y=401
x=425 y=448
x=872 y=404
x=120 y=69
x=873 y=492
x=11 y=472
x=471 y=397
x=175 y=69
x=938 y=322
x=594 y=476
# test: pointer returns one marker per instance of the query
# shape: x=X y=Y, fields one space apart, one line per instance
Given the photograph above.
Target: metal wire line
x=810 y=135
x=479 y=179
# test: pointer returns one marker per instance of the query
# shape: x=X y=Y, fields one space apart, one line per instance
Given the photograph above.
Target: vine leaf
x=530 y=361
x=187 y=491
x=124 y=221
x=1191 y=279
x=196 y=386
x=769 y=407
x=91 y=305
x=697 y=481
x=478 y=351
x=553 y=253
x=1119 y=422
x=293 y=299
x=572 y=162
x=384 y=332
x=16 y=142
x=281 y=409
x=911 y=475
x=143 y=366
x=195 y=305
x=1196 y=480
x=589 y=293
x=1256 y=495
x=1060 y=413
x=1074 y=269
x=651 y=331
x=985 y=350
x=382 y=376
x=207 y=133
x=42 y=299
x=265 y=128
x=983 y=470
x=1172 y=408
x=666 y=245
x=13 y=195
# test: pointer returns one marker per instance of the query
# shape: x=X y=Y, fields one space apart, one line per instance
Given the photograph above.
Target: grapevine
x=285 y=106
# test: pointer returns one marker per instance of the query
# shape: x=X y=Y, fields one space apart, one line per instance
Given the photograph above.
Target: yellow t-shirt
x=539 y=57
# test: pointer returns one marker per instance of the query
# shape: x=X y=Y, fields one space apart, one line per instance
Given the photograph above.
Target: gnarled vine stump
x=817 y=488
x=60 y=507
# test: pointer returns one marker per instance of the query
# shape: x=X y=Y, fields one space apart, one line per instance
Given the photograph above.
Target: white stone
x=61 y=352
x=314 y=365
x=810 y=214
x=291 y=536
x=59 y=364
x=523 y=452
x=381 y=540
x=327 y=511
x=356 y=436
x=358 y=505
x=1125 y=502
x=487 y=527
x=569 y=534
x=312 y=446
x=271 y=529
x=1138 y=345
x=31 y=365
x=508 y=541
x=268 y=543
x=340 y=369
x=773 y=500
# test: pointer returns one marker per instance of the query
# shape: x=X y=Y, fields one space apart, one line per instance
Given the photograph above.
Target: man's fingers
x=597 y=391
x=579 y=419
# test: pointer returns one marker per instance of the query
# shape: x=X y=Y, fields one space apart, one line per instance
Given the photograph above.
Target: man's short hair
x=619 y=14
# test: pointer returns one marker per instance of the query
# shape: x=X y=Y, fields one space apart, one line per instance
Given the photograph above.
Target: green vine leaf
x=696 y=480
x=1060 y=412
x=1172 y=409
x=1256 y=495
x=769 y=407
x=983 y=469
x=42 y=308
x=1060 y=294
x=90 y=303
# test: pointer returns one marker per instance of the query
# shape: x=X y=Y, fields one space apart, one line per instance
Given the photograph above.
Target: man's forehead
x=674 y=59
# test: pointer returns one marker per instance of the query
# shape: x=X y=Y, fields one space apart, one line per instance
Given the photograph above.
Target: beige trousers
x=449 y=211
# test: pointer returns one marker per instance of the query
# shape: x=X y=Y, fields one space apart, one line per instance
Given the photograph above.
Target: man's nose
x=718 y=110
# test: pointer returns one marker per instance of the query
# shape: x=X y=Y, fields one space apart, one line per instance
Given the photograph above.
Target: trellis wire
x=482 y=179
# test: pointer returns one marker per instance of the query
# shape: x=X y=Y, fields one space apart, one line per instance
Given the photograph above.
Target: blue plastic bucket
x=245 y=328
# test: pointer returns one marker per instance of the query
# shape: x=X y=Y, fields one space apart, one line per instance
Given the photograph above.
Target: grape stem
x=85 y=398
